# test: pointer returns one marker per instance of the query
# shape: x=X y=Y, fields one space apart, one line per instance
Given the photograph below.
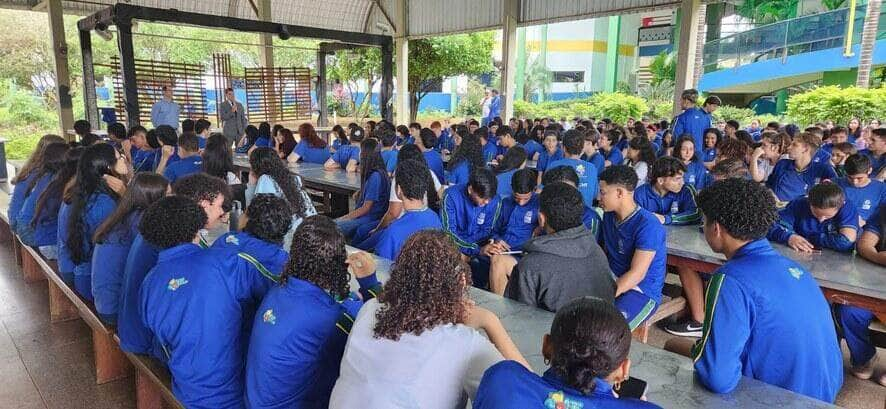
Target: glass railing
x=785 y=38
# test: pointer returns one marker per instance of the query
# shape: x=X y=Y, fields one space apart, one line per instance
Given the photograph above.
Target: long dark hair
x=371 y=161
x=644 y=147
x=144 y=190
x=51 y=198
x=264 y=130
x=309 y=135
x=264 y=161
x=53 y=160
x=96 y=162
x=470 y=151
x=36 y=160
x=288 y=145
x=217 y=156
x=514 y=158
x=679 y=146
x=340 y=135
x=251 y=134
x=412 y=152
x=318 y=256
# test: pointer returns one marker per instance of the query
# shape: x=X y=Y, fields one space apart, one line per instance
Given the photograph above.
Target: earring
x=547 y=361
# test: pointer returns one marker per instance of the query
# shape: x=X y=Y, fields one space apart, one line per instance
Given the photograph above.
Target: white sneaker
x=866 y=370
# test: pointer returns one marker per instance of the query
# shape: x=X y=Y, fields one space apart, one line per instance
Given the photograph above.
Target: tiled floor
x=45 y=365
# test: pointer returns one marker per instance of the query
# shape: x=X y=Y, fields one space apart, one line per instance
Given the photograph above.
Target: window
x=569 y=76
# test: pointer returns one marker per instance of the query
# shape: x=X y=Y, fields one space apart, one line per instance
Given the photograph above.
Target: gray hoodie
x=560 y=267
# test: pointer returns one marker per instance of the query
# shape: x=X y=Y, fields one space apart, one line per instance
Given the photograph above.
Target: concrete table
x=843 y=278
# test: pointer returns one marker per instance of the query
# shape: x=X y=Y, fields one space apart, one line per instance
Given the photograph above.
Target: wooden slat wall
x=151 y=76
x=278 y=94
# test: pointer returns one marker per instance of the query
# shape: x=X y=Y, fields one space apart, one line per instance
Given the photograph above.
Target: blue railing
x=785 y=38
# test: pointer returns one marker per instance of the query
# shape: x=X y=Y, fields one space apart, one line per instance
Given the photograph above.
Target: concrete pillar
x=612 y=40
x=266 y=39
x=543 y=60
x=62 y=76
x=698 y=64
x=401 y=56
x=520 y=77
x=686 y=49
x=509 y=57
x=453 y=95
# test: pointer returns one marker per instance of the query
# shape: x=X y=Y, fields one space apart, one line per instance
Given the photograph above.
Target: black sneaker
x=688 y=328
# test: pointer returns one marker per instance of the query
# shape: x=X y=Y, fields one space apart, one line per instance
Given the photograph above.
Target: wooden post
x=61 y=309
x=110 y=362
x=147 y=394
x=62 y=77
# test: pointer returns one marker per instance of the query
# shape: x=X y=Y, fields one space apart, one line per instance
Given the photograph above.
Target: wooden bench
x=153 y=383
x=672 y=304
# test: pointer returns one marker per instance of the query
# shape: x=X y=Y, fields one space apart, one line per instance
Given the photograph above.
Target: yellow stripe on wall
x=573 y=46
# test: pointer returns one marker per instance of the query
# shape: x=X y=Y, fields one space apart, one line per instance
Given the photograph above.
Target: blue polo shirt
x=641 y=230
x=262 y=142
x=545 y=158
x=109 y=264
x=490 y=151
x=797 y=218
x=591 y=219
x=134 y=336
x=767 y=319
x=435 y=163
x=98 y=208
x=345 y=154
x=693 y=121
x=377 y=189
x=866 y=199
x=532 y=147
x=509 y=385
x=465 y=222
x=877 y=162
x=459 y=174
x=504 y=183
x=184 y=167
x=390 y=158
x=65 y=264
x=516 y=224
x=46 y=229
x=677 y=208
x=144 y=160
x=788 y=183
x=597 y=160
x=587 y=177
x=708 y=154
x=392 y=238
x=311 y=154
x=614 y=156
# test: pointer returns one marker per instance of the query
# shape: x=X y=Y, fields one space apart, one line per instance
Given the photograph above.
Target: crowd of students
x=581 y=233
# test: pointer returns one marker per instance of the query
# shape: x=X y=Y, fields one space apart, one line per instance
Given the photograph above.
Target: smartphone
x=512 y=252
x=632 y=388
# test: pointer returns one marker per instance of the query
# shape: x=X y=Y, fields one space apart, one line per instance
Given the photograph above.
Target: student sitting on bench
x=517 y=224
x=588 y=352
x=26 y=175
x=411 y=189
x=862 y=192
x=470 y=213
x=190 y=161
x=45 y=220
x=573 y=145
x=269 y=174
x=54 y=161
x=372 y=199
x=347 y=157
x=590 y=218
x=758 y=297
x=822 y=220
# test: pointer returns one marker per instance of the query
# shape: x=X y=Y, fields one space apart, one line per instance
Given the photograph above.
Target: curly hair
x=264 y=161
x=171 y=221
x=665 y=166
x=732 y=149
x=622 y=175
x=413 y=153
x=96 y=162
x=318 y=256
x=560 y=174
x=470 y=151
x=200 y=187
x=268 y=218
x=428 y=287
x=744 y=208
x=590 y=339
x=412 y=178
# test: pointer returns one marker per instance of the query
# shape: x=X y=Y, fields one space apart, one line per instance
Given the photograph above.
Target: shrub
x=729 y=112
x=617 y=106
x=837 y=104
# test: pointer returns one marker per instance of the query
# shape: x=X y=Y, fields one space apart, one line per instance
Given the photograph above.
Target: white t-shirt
x=440 y=368
x=394 y=198
x=642 y=170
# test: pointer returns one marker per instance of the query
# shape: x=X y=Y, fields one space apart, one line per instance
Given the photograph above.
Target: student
x=403 y=136
x=877 y=153
x=414 y=134
x=532 y=146
x=46 y=210
x=114 y=237
x=513 y=160
x=517 y=224
x=88 y=202
x=753 y=327
x=490 y=149
x=667 y=195
x=412 y=187
x=190 y=161
x=565 y=263
x=168 y=152
x=712 y=139
x=203 y=129
x=773 y=147
x=372 y=201
x=862 y=192
x=608 y=141
x=470 y=212
x=732 y=126
x=424 y=307
x=311 y=149
x=587 y=349
x=293 y=358
x=640 y=157
x=824 y=219
x=205 y=288
x=217 y=159
x=839 y=153
x=426 y=142
x=853 y=322
x=695 y=174
x=591 y=152
x=347 y=156
x=269 y=174
x=246 y=144
x=82 y=130
x=339 y=138
x=388 y=153
x=590 y=218
x=506 y=140
x=467 y=157
x=26 y=176
x=34 y=186
x=793 y=177
x=573 y=145
x=635 y=244
x=264 y=139
x=693 y=120
x=116 y=137
x=754 y=129
x=141 y=154
x=285 y=143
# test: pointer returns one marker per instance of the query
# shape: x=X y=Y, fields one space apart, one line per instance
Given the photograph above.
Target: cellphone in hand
x=632 y=388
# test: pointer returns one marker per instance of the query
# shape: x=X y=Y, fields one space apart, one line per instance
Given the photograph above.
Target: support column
x=453 y=95
x=698 y=62
x=612 y=41
x=89 y=98
x=543 y=60
x=387 y=81
x=127 y=65
x=323 y=117
x=62 y=76
x=520 y=77
x=686 y=49
x=401 y=53
x=509 y=58
x=266 y=39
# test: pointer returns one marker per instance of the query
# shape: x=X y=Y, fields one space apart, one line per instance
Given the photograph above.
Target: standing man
x=693 y=120
x=485 y=104
x=494 y=107
x=165 y=111
x=233 y=116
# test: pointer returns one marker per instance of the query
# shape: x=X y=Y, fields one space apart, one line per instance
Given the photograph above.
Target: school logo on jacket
x=866 y=205
x=795 y=272
x=232 y=240
x=580 y=169
x=558 y=400
x=176 y=283
x=527 y=218
x=481 y=218
x=269 y=317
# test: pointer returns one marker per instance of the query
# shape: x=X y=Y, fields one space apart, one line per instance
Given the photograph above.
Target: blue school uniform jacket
x=614 y=156
x=172 y=158
x=692 y=121
x=191 y=303
x=695 y=174
x=262 y=142
x=65 y=264
x=390 y=158
x=144 y=160
x=587 y=177
x=266 y=260
x=392 y=238
x=435 y=163
x=184 y=167
x=467 y=223
x=406 y=141
x=545 y=158
x=708 y=154
x=797 y=218
x=345 y=154
x=509 y=385
x=677 y=208
x=877 y=162
x=134 y=335
x=46 y=229
x=516 y=224
x=532 y=147
x=109 y=263
x=377 y=189
x=294 y=358
x=490 y=151
x=26 y=233
x=788 y=183
x=460 y=173
x=822 y=155
x=98 y=208
x=641 y=230
x=591 y=219
x=445 y=141
x=597 y=160
x=504 y=183
x=310 y=154
x=867 y=199
x=18 y=199
x=766 y=318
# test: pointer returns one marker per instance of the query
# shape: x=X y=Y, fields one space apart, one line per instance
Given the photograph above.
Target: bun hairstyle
x=590 y=339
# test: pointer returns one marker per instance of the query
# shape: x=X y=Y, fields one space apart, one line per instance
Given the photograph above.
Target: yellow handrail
x=850 y=30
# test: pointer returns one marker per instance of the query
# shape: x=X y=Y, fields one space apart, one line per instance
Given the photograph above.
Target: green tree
x=663 y=68
x=833 y=4
x=538 y=79
x=352 y=68
x=433 y=59
x=767 y=11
